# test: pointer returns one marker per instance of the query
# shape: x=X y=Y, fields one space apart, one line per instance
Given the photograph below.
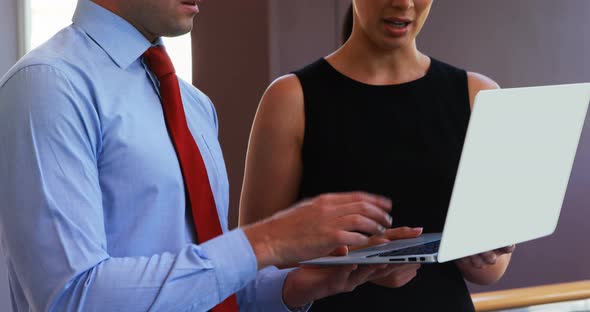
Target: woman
x=376 y=115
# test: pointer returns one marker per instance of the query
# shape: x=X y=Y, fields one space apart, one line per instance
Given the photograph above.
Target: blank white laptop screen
x=515 y=167
x=513 y=174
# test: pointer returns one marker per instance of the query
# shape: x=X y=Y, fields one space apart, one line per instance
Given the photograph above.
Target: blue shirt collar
x=118 y=38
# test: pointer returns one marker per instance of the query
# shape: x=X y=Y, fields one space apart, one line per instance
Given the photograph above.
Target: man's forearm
x=196 y=277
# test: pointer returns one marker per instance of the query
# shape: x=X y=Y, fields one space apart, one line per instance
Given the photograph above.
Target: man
x=114 y=190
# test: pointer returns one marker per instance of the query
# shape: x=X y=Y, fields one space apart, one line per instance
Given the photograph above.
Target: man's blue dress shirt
x=92 y=201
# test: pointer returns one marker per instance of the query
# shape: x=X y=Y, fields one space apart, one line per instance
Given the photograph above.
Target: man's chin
x=179 y=31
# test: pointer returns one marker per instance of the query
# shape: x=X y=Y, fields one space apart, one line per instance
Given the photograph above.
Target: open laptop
x=511 y=181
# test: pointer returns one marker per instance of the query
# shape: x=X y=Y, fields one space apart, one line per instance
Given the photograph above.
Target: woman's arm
x=273 y=162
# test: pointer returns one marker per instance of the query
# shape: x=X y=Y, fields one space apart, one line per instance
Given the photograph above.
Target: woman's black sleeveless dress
x=402 y=141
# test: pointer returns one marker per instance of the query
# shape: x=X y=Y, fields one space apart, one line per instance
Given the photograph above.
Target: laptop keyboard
x=428 y=248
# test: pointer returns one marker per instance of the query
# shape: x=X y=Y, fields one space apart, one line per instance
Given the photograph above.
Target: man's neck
x=120 y=8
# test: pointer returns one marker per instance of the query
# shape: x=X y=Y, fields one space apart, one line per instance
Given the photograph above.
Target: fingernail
x=418 y=229
x=381 y=229
x=389 y=219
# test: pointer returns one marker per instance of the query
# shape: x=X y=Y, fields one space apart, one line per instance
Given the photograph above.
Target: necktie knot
x=158 y=61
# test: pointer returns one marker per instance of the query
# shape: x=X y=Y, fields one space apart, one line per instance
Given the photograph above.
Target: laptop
x=512 y=177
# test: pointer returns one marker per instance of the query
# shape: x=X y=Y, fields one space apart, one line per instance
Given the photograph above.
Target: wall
x=517 y=43
x=8 y=56
x=8 y=34
x=231 y=65
x=301 y=32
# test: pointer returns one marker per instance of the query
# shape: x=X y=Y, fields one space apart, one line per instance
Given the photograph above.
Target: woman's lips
x=397 y=27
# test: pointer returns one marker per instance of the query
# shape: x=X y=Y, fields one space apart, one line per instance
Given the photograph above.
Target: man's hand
x=315 y=227
x=403 y=273
x=309 y=282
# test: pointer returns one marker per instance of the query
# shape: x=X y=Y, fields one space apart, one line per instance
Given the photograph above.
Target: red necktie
x=191 y=163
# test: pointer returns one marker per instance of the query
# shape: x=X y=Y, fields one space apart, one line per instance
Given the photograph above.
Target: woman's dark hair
x=347 y=25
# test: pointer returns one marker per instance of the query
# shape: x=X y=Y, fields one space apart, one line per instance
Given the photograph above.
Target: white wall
x=8 y=56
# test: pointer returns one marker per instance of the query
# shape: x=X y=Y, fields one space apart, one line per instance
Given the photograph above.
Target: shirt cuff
x=234 y=261
x=270 y=290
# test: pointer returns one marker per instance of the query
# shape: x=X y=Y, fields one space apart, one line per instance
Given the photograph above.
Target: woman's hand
x=485 y=259
x=487 y=267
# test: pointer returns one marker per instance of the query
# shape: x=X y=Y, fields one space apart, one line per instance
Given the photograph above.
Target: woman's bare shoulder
x=477 y=82
x=285 y=86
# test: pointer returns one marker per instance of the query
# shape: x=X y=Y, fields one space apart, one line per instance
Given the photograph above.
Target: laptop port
x=412 y=259
x=396 y=260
